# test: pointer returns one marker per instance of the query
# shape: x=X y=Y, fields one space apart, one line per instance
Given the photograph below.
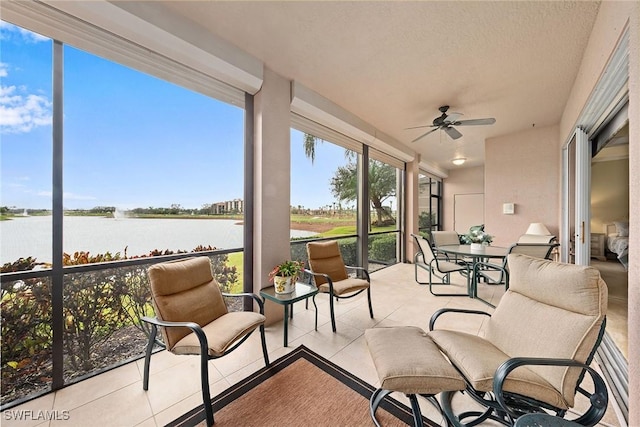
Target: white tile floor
x=116 y=398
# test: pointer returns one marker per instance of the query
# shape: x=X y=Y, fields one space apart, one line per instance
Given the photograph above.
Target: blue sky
x=130 y=140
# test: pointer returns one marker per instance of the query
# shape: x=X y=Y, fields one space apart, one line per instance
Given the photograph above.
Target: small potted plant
x=476 y=237
x=284 y=276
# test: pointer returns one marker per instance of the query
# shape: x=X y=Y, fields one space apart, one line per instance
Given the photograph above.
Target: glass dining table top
x=466 y=250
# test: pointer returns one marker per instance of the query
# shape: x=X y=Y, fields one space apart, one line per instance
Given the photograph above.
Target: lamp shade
x=538 y=229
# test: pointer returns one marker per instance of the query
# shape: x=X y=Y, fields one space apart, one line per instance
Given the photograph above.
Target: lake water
x=31 y=236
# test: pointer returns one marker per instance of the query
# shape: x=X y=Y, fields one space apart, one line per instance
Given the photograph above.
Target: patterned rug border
x=391 y=405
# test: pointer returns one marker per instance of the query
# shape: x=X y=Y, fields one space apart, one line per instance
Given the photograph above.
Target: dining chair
x=434 y=266
x=536 y=238
x=443 y=238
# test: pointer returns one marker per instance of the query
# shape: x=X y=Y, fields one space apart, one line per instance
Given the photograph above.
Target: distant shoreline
x=316 y=227
x=308 y=226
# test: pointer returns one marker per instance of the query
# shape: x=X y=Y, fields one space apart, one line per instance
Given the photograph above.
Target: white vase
x=283 y=285
x=477 y=247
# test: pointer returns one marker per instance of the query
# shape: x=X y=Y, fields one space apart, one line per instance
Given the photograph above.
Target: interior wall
x=522 y=168
x=460 y=181
x=613 y=18
x=609 y=193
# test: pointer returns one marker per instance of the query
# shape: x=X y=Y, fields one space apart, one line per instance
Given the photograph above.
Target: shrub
x=26 y=336
x=96 y=305
x=383 y=247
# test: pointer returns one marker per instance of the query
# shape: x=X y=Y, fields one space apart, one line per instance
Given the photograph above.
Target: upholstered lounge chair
x=499 y=273
x=536 y=346
x=330 y=275
x=193 y=316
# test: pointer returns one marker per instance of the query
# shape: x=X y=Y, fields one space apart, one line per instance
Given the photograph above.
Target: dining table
x=472 y=255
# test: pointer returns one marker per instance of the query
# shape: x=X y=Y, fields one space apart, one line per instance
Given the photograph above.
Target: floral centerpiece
x=284 y=276
x=476 y=236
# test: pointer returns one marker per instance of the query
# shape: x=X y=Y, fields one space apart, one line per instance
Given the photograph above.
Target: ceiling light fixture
x=458 y=161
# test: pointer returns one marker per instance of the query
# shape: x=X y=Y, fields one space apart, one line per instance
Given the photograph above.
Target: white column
x=583 y=198
x=272 y=175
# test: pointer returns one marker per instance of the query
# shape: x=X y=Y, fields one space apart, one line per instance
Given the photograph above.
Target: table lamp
x=538 y=229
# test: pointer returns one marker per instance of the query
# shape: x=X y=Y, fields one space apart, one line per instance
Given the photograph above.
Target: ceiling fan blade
x=418 y=127
x=452 y=132
x=425 y=134
x=475 y=122
x=453 y=117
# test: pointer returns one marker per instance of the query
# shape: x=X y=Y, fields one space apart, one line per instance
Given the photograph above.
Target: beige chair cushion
x=583 y=290
x=221 y=333
x=325 y=258
x=550 y=310
x=409 y=362
x=185 y=291
x=342 y=287
x=478 y=361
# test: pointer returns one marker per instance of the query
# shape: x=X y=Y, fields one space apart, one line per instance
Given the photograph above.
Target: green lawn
x=351 y=229
x=236 y=260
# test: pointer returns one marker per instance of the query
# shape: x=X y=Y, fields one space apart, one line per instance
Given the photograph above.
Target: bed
x=617 y=235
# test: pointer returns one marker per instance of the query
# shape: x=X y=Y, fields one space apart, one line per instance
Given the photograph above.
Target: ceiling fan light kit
x=446 y=122
x=459 y=161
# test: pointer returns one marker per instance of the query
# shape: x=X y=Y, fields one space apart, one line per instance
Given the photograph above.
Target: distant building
x=235 y=206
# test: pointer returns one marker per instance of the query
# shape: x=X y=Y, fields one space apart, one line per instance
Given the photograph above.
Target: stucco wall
x=522 y=168
x=613 y=18
x=460 y=181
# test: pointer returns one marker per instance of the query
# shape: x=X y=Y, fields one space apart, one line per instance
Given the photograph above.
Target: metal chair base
x=380 y=394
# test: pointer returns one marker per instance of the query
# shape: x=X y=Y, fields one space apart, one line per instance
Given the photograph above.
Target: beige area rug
x=301 y=388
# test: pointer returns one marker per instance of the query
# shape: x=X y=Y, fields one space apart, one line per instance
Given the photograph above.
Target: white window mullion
x=583 y=198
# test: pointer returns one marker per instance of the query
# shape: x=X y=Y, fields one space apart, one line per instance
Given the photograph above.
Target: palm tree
x=310 y=142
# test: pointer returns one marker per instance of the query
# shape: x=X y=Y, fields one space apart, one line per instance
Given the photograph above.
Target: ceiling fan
x=446 y=123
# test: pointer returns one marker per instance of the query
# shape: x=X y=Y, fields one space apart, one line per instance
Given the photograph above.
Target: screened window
x=429 y=203
x=385 y=190
x=26 y=145
x=323 y=192
x=148 y=165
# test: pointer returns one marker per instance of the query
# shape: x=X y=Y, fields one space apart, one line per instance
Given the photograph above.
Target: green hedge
x=383 y=247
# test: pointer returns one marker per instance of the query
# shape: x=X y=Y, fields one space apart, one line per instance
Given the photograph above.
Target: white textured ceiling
x=394 y=63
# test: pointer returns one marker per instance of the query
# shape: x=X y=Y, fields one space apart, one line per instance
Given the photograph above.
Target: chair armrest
x=599 y=399
x=364 y=270
x=247 y=294
x=326 y=276
x=440 y=312
x=479 y=267
x=155 y=322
